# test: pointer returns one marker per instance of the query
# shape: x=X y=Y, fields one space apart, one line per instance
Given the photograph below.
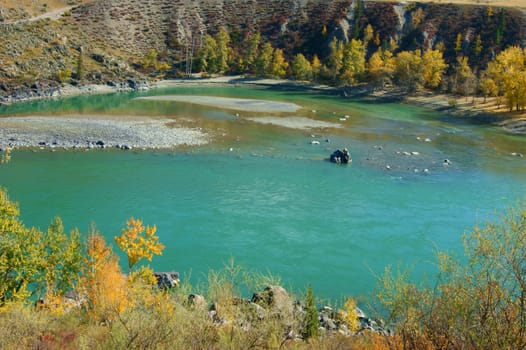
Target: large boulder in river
x=341 y=156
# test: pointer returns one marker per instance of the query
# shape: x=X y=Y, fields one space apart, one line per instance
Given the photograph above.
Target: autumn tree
x=477 y=50
x=224 y=52
x=63 y=75
x=252 y=52
x=151 y=62
x=458 y=43
x=464 y=79
x=279 y=65
x=368 y=34
x=316 y=66
x=353 y=63
x=32 y=261
x=349 y=315
x=138 y=242
x=150 y=59
x=508 y=70
x=433 y=67
x=62 y=256
x=301 y=68
x=489 y=11
x=20 y=261
x=207 y=55
x=417 y=17
x=335 y=58
x=408 y=69
x=102 y=280
x=381 y=66
x=488 y=87
x=264 y=60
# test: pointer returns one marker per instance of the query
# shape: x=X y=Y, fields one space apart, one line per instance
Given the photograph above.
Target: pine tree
x=301 y=68
x=311 y=325
x=252 y=52
x=224 y=51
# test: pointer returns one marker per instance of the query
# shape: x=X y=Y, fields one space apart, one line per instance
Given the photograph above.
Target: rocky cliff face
x=115 y=34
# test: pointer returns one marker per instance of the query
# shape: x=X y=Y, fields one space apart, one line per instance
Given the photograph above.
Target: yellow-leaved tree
x=138 y=242
x=103 y=281
x=349 y=315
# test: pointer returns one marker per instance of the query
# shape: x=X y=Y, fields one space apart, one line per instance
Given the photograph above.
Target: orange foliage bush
x=103 y=282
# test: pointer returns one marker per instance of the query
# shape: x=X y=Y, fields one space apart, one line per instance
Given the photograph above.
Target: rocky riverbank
x=275 y=302
x=50 y=89
x=80 y=132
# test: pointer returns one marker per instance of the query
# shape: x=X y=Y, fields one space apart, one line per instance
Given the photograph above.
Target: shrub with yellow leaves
x=349 y=315
x=138 y=242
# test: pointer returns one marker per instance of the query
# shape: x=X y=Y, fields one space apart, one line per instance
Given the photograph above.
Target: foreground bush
x=480 y=304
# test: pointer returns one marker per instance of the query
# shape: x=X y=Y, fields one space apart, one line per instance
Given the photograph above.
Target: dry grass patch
x=494 y=3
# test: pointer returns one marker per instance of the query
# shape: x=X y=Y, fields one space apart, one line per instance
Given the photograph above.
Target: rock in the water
x=341 y=156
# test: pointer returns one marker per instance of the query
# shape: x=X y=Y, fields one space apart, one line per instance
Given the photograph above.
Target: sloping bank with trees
x=59 y=291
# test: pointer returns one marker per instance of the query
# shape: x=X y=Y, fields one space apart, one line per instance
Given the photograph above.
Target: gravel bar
x=80 y=132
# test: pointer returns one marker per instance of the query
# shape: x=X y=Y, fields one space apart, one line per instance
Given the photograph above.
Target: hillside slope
x=115 y=35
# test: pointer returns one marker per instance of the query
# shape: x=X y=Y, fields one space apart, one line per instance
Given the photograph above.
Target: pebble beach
x=71 y=132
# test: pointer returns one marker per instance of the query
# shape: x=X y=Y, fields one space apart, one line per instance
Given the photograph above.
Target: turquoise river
x=267 y=197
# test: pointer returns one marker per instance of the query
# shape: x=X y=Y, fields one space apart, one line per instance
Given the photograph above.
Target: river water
x=267 y=197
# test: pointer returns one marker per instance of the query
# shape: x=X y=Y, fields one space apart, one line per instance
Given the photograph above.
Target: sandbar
x=301 y=123
x=238 y=104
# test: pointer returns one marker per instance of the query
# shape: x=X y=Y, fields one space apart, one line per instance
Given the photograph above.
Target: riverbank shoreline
x=69 y=131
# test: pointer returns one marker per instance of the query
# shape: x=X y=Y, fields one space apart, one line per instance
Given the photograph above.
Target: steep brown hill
x=115 y=35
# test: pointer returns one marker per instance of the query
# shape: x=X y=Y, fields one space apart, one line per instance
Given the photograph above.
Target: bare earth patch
x=238 y=104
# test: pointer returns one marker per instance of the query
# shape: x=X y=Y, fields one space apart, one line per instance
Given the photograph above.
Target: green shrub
x=311 y=323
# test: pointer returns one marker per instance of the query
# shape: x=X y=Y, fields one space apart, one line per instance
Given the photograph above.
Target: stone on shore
x=167 y=280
